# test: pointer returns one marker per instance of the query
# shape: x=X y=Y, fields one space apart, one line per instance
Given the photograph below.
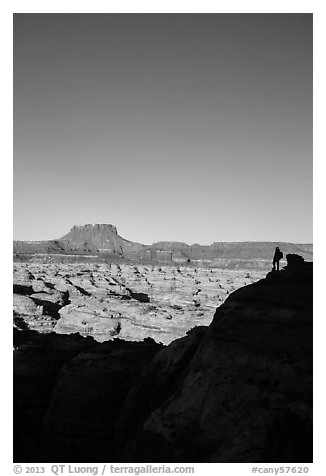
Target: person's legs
x=278 y=265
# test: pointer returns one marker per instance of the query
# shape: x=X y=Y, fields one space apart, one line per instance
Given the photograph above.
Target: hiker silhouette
x=276 y=260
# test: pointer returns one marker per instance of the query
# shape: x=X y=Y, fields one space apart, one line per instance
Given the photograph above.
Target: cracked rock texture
x=132 y=302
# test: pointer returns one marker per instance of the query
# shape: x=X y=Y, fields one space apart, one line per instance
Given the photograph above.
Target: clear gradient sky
x=186 y=127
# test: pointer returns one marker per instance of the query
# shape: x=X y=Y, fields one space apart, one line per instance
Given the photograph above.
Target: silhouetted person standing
x=276 y=260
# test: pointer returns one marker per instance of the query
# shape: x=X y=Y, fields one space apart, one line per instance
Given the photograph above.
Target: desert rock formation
x=131 y=302
x=239 y=390
x=103 y=242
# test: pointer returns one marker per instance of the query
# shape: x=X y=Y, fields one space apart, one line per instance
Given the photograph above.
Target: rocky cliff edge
x=239 y=390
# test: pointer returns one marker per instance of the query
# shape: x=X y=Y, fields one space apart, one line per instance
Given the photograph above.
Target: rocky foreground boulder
x=239 y=390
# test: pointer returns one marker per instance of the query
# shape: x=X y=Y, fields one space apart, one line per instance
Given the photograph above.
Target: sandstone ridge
x=103 y=240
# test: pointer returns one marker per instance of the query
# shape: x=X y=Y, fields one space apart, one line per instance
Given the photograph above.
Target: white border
x=315 y=7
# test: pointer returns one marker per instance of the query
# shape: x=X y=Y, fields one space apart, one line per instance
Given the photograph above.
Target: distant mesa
x=98 y=238
x=85 y=239
x=93 y=227
x=104 y=240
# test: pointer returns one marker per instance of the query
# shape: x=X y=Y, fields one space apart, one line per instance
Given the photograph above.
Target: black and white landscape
x=159 y=162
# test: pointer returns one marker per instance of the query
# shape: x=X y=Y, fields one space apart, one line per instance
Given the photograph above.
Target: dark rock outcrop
x=239 y=390
x=245 y=392
x=68 y=392
x=38 y=360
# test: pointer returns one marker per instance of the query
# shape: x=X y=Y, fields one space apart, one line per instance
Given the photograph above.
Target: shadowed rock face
x=239 y=390
x=244 y=392
x=68 y=392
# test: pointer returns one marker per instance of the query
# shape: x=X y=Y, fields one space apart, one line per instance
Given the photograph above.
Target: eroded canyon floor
x=130 y=302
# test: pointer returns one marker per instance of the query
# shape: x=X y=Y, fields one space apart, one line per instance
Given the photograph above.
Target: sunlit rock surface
x=131 y=302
